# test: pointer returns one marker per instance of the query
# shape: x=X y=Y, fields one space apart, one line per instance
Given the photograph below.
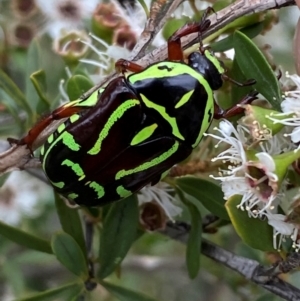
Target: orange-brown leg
x=59 y=113
x=123 y=65
x=174 y=43
x=236 y=109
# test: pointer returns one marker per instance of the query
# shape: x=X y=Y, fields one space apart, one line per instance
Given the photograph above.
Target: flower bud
x=106 y=18
x=125 y=37
x=258 y=120
x=24 y=8
x=152 y=216
x=21 y=34
x=70 y=47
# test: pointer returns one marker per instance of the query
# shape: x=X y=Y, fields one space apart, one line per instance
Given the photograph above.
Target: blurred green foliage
x=44 y=257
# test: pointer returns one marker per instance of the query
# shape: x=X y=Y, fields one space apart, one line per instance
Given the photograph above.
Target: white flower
x=255 y=179
x=276 y=145
x=21 y=196
x=291 y=109
x=161 y=194
x=65 y=14
x=135 y=17
x=282 y=229
x=106 y=59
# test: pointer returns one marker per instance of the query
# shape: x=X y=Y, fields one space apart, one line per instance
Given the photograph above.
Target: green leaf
x=208 y=193
x=70 y=254
x=118 y=234
x=125 y=294
x=254 y=65
x=173 y=24
x=38 y=80
x=66 y=292
x=34 y=63
x=194 y=242
x=11 y=89
x=13 y=274
x=25 y=239
x=225 y=44
x=3 y=179
x=254 y=232
x=237 y=93
x=70 y=222
x=77 y=85
x=144 y=6
x=13 y=110
x=268 y=297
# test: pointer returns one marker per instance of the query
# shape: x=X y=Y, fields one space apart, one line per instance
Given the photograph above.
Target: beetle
x=130 y=133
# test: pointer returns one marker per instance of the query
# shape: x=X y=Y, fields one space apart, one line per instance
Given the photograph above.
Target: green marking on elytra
x=91 y=100
x=72 y=196
x=88 y=102
x=117 y=114
x=74 y=118
x=42 y=152
x=59 y=185
x=122 y=192
x=74 y=166
x=164 y=156
x=162 y=70
x=208 y=114
x=69 y=141
x=184 y=99
x=215 y=61
x=172 y=69
x=61 y=128
x=50 y=138
x=98 y=189
x=72 y=103
x=81 y=178
x=143 y=134
x=162 y=111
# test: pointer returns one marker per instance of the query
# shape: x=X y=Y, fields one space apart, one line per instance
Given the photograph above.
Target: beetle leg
x=174 y=43
x=237 y=108
x=59 y=113
x=248 y=82
x=123 y=65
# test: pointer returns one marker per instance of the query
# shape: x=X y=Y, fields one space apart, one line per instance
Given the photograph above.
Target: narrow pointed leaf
x=70 y=222
x=38 y=79
x=254 y=232
x=70 y=254
x=77 y=85
x=66 y=292
x=144 y=6
x=254 y=65
x=11 y=272
x=118 y=234
x=237 y=93
x=33 y=64
x=25 y=239
x=227 y=43
x=208 y=193
x=125 y=294
x=194 y=242
x=11 y=89
x=13 y=110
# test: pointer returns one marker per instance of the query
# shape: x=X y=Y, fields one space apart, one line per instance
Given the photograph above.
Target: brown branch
x=220 y=19
x=20 y=157
x=250 y=269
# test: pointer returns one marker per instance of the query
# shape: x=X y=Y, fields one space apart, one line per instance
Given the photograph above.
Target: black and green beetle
x=128 y=134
